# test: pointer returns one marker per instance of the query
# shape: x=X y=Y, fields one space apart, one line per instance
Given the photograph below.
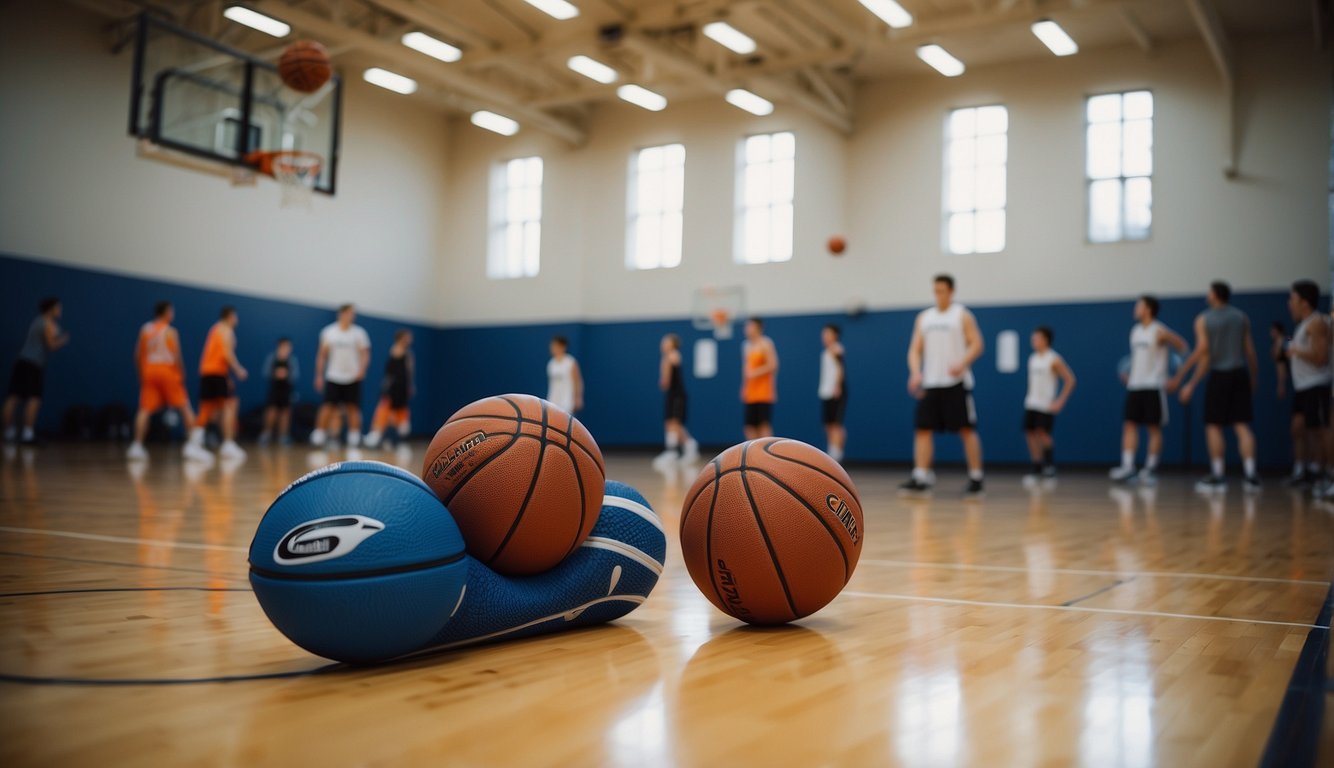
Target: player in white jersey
x=340 y=367
x=833 y=390
x=1146 y=385
x=1309 y=363
x=565 y=383
x=945 y=344
x=1050 y=383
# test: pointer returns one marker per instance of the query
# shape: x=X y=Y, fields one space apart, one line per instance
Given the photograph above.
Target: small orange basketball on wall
x=837 y=245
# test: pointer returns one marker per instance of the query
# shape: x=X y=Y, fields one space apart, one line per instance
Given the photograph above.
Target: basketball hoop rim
x=264 y=161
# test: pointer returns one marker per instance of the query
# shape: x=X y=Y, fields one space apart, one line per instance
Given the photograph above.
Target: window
x=764 y=199
x=657 y=188
x=1120 y=166
x=516 y=219
x=976 y=144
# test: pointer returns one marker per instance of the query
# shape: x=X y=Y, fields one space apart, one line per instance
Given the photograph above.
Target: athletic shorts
x=833 y=409
x=161 y=386
x=1147 y=407
x=280 y=393
x=1312 y=404
x=674 y=406
x=397 y=394
x=946 y=409
x=342 y=394
x=26 y=380
x=759 y=413
x=1227 y=397
x=1039 y=421
x=215 y=388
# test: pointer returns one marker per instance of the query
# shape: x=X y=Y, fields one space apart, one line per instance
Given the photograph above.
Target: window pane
x=671 y=240
x=757 y=149
x=1104 y=150
x=1105 y=211
x=1139 y=205
x=961 y=153
x=963 y=123
x=1138 y=148
x=992 y=120
x=1105 y=108
x=674 y=154
x=673 y=195
x=514 y=174
x=991 y=187
x=784 y=146
x=649 y=241
x=532 y=242
x=780 y=238
x=757 y=235
x=757 y=184
x=650 y=193
x=513 y=249
x=781 y=178
x=961 y=233
x=962 y=190
x=991 y=150
x=1138 y=105
x=650 y=159
x=989 y=231
x=532 y=203
x=534 y=171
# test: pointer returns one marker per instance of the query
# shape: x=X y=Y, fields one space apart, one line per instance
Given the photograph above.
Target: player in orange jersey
x=759 y=380
x=217 y=391
x=162 y=383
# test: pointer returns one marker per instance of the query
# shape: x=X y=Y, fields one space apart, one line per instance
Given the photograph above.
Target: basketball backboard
x=201 y=97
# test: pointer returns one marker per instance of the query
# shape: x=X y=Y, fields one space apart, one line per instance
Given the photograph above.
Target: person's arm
x=320 y=358
x=665 y=372
x=293 y=369
x=974 y=345
x=1198 y=360
x=1067 y=378
x=842 y=370
x=412 y=376
x=229 y=350
x=770 y=364
x=577 y=377
x=1317 y=351
x=1252 y=360
x=365 y=356
x=52 y=336
x=174 y=343
x=139 y=354
x=915 y=358
x=268 y=366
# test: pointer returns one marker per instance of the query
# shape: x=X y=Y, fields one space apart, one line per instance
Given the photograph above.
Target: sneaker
x=285 y=440
x=1251 y=484
x=11 y=434
x=1301 y=479
x=974 y=489
x=1322 y=489
x=373 y=440
x=1032 y=480
x=691 y=451
x=230 y=450
x=1211 y=484
x=317 y=438
x=194 y=452
x=665 y=458
x=136 y=452
x=30 y=441
x=264 y=438
x=1147 y=477
x=354 y=454
x=1049 y=472
x=1122 y=474
x=914 y=487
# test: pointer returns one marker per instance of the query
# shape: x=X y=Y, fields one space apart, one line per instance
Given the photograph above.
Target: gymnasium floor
x=1079 y=625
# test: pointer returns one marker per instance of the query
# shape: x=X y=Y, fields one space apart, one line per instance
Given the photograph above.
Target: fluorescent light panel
x=642 y=97
x=940 y=60
x=255 y=20
x=592 y=69
x=436 y=49
x=556 y=9
x=390 y=80
x=729 y=37
x=1055 y=38
x=889 y=12
x=495 y=123
x=743 y=99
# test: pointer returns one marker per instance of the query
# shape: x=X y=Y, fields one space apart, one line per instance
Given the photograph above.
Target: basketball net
x=298 y=173
x=722 y=323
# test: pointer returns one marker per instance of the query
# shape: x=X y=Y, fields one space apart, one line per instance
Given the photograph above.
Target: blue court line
x=1097 y=592
x=1295 y=739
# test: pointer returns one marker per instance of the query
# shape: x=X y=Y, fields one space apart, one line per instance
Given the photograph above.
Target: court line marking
x=121 y=539
x=1081 y=608
x=1090 y=572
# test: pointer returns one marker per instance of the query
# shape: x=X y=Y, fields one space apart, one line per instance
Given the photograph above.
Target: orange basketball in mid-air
x=305 y=66
x=772 y=530
x=837 y=245
x=523 y=479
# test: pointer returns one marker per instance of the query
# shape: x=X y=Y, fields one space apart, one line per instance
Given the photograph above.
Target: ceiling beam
x=434 y=21
x=1215 y=39
x=444 y=75
x=1137 y=31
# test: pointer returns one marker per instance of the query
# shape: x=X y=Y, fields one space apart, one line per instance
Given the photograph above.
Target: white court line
x=1091 y=572
x=122 y=539
x=1083 y=609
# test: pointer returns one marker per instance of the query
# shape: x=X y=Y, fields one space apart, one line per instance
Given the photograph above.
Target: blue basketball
x=358 y=562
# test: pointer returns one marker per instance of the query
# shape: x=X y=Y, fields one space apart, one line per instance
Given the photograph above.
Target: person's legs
x=1298 y=432
x=270 y=418
x=11 y=405
x=353 y=411
x=284 y=422
x=379 y=420
x=1246 y=447
x=1129 y=443
x=30 y=416
x=1213 y=436
x=141 y=418
x=923 y=451
x=1155 y=446
x=972 y=451
x=1034 y=439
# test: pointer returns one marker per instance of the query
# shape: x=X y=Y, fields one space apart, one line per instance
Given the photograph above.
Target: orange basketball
x=772 y=530
x=305 y=66
x=522 y=478
x=837 y=245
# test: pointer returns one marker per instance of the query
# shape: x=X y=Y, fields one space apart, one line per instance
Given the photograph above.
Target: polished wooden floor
x=1076 y=625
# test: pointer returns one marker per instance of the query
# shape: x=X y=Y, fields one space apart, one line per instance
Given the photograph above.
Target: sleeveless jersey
x=943 y=346
x=1226 y=329
x=156 y=346
x=1042 y=381
x=1148 y=358
x=830 y=365
x=214 y=360
x=1304 y=374
x=560 y=382
x=758 y=389
x=676 y=384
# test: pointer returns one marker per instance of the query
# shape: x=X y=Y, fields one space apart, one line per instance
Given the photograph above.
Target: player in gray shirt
x=26 y=382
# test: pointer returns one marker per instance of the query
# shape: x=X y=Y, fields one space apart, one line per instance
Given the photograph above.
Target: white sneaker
x=136 y=452
x=230 y=450
x=1122 y=474
x=372 y=440
x=193 y=452
x=1147 y=477
x=691 y=452
x=317 y=438
x=666 y=457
